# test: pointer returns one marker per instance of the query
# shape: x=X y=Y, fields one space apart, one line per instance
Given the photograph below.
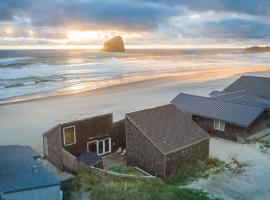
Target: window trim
x=218 y=123
x=74 y=135
x=94 y=141
x=103 y=146
x=45 y=146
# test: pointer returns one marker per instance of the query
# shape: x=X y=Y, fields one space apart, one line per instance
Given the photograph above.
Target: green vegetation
x=104 y=187
x=126 y=170
x=201 y=169
x=263 y=144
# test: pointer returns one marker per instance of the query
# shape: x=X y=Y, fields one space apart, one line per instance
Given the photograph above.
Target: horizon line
x=99 y=47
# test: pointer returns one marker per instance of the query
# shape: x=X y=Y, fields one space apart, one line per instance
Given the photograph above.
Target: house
x=23 y=178
x=238 y=112
x=84 y=141
x=251 y=86
x=163 y=139
x=249 y=90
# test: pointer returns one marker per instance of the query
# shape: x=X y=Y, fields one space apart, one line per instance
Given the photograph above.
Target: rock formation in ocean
x=115 y=44
x=258 y=49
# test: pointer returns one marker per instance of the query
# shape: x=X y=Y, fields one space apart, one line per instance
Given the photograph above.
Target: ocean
x=45 y=72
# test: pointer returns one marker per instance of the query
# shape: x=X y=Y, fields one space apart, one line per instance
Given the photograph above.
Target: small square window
x=219 y=125
x=69 y=136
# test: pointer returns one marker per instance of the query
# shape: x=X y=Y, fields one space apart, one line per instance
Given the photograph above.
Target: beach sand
x=24 y=122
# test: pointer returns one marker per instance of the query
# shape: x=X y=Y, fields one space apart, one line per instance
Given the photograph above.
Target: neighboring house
x=83 y=140
x=251 y=86
x=249 y=90
x=23 y=178
x=236 y=113
x=225 y=119
x=163 y=139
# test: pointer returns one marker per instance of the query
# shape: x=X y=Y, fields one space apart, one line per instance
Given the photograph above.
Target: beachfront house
x=163 y=139
x=71 y=145
x=23 y=178
x=238 y=112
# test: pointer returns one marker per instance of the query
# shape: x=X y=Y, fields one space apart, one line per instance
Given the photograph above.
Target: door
x=92 y=146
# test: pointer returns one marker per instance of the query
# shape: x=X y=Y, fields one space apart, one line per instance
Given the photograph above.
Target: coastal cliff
x=115 y=44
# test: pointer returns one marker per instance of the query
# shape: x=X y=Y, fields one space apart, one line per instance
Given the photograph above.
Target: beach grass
x=104 y=187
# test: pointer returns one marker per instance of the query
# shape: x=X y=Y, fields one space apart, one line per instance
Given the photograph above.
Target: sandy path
x=252 y=184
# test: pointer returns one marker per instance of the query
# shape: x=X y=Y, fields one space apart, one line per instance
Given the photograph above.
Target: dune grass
x=264 y=145
x=104 y=187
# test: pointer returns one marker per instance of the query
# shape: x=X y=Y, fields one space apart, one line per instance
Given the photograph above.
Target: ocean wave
x=28 y=82
x=14 y=85
x=12 y=60
x=39 y=71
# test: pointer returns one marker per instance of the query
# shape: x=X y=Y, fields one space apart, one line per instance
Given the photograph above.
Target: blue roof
x=20 y=171
x=230 y=112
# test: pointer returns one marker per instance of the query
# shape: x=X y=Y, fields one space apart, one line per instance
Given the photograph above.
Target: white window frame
x=74 y=135
x=94 y=141
x=218 y=125
x=45 y=145
x=103 y=146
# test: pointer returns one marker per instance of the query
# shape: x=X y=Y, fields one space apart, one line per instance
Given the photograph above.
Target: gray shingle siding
x=157 y=137
x=186 y=156
x=141 y=152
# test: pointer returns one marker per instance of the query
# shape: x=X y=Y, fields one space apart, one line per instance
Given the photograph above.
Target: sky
x=141 y=23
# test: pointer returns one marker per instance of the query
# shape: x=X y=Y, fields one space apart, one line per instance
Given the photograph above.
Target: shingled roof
x=168 y=127
x=253 y=85
x=234 y=113
x=20 y=171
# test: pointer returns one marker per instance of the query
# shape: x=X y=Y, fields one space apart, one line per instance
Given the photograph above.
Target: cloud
x=251 y=7
x=174 y=20
x=11 y=8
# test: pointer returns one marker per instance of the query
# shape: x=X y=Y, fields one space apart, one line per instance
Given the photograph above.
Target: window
x=69 y=135
x=45 y=145
x=219 y=125
x=104 y=146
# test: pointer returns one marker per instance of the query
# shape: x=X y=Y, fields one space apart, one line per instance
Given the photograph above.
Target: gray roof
x=227 y=95
x=90 y=158
x=254 y=86
x=246 y=100
x=20 y=171
x=167 y=127
x=215 y=93
x=230 y=112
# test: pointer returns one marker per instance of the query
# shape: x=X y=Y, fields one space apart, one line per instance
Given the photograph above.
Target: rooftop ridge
x=218 y=100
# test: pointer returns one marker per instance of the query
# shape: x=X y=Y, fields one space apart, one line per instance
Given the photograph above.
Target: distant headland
x=115 y=44
x=258 y=49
